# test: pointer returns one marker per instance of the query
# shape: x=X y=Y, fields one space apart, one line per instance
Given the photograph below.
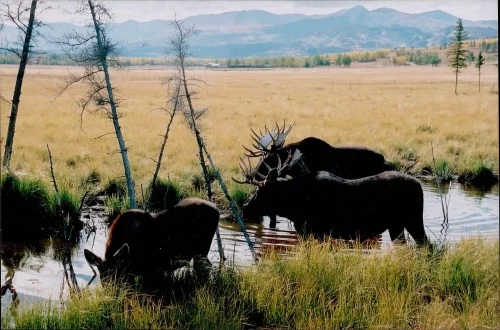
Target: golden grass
x=387 y=109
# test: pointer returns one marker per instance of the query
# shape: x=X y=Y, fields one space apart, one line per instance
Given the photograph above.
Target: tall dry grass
x=395 y=110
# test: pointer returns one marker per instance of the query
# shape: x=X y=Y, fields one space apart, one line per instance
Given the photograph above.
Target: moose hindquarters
x=192 y=228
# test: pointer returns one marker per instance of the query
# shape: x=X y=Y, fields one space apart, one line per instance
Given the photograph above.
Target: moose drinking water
x=347 y=162
x=148 y=244
x=324 y=204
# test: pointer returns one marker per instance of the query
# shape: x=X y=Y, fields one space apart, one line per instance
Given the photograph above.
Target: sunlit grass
x=397 y=111
x=316 y=287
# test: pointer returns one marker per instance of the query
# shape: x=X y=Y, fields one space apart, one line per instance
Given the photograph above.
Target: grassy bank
x=316 y=288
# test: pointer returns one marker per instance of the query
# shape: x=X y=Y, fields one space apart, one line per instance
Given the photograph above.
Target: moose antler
x=280 y=139
x=276 y=138
x=289 y=162
x=249 y=174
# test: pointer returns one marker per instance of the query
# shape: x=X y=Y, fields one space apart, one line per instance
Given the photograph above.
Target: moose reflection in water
x=348 y=162
x=324 y=204
x=148 y=244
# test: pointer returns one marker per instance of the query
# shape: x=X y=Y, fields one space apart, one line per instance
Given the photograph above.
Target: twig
x=82 y=201
x=65 y=232
x=444 y=226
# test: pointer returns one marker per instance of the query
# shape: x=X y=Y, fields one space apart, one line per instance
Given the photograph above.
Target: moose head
x=110 y=267
x=261 y=202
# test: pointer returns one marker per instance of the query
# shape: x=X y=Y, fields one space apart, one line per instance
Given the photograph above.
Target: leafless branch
x=100 y=136
x=67 y=258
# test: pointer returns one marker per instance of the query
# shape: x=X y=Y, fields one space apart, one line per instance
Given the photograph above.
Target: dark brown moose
x=347 y=162
x=148 y=244
x=324 y=204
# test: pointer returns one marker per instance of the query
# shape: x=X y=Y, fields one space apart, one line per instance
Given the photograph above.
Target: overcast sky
x=145 y=10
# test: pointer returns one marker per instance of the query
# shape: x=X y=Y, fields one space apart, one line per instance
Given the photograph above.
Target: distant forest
x=397 y=56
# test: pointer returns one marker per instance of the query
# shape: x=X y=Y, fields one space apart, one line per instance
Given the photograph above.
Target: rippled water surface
x=471 y=213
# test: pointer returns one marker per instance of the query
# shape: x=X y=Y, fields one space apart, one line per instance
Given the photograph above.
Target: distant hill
x=255 y=33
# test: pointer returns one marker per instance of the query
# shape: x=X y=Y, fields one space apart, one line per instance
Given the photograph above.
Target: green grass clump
x=316 y=287
x=116 y=187
x=443 y=170
x=116 y=204
x=240 y=194
x=426 y=128
x=480 y=174
x=198 y=180
x=26 y=208
x=406 y=153
x=92 y=179
x=30 y=209
x=165 y=194
x=32 y=220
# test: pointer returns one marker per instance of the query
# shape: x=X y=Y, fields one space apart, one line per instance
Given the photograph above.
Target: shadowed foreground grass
x=316 y=288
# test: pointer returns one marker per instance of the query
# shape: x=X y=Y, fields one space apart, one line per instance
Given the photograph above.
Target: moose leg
x=397 y=235
x=202 y=266
x=272 y=223
x=417 y=231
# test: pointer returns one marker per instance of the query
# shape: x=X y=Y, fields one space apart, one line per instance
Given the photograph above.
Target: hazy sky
x=150 y=10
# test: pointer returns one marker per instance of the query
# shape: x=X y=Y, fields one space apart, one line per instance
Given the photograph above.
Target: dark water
x=471 y=213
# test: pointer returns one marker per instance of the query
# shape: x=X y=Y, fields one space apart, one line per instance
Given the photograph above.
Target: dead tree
x=175 y=102
x=96 y=52
x=23 y=16
x=179 y=48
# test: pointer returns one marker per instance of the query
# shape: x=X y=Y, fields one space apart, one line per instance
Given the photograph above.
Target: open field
x=395 y=110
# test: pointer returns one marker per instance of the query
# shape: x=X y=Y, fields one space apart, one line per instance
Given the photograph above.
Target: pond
x=471 y=213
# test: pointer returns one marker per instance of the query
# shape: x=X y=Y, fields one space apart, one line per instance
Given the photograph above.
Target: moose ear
x=122 y=252
x=92 y=259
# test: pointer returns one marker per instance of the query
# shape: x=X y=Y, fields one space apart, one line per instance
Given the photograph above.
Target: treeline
x=487 y=46
x=343 y=59
x=418 y=57
x=279 y=62
x=45 y=59
x=402 y=56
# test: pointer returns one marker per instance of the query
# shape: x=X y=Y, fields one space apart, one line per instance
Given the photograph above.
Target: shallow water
x=471 y=213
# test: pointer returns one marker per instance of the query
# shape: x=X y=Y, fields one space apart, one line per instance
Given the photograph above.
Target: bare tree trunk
x=17 y=90
x=200 y=142
x=165 y=137
x=114 y=114
x=231 y=204
x=196 y=132
x=456 y=81
x=479 y=78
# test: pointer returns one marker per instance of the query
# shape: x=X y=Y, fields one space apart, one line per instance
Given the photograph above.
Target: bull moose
x=148 y=244
x=347 y=162
x=324 y=204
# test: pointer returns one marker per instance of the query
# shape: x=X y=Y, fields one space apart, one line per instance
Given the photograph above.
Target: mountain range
x=254 y=33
